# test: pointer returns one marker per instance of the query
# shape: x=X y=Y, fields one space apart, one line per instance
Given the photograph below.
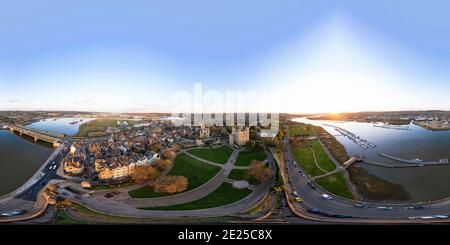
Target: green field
x=223 y=195
x=98 y=127
x=106 y=217
x=301 y=130
x=147 y=192
x=217 y=155
x=304 y=157
x=110 y=187
x=237 y=174
x=62 y=218
x=246 y=157
x=195 y=171
x=322 y=157
x=335 y=184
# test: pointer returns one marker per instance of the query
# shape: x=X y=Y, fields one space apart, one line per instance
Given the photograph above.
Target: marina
x=394 y=127
x=411 y=145
x=353 y=137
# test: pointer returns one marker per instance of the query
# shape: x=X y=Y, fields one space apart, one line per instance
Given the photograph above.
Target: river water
x=20 y=158
x=423 y=183
x=68 y=126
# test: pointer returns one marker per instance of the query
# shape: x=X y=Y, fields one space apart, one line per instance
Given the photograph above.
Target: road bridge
x=52 y=138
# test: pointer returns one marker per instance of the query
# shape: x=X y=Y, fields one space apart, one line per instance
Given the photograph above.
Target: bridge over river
x=52 y=138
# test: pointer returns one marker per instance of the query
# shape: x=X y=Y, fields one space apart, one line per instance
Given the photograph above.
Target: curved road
x=128 y=206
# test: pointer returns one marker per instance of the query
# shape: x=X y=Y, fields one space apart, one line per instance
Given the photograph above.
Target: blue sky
x=116 y=56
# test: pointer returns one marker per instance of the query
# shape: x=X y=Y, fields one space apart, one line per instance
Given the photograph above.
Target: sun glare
x=337 y=70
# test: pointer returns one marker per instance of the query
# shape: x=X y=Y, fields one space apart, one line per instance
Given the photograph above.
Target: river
x=68 y=126
x=423 y=183
x=20 y=158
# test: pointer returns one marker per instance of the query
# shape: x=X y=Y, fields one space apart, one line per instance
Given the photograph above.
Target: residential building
x=73 y=165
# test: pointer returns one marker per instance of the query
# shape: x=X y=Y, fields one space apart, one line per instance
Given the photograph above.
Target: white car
x=440 y=216
x=326 y=196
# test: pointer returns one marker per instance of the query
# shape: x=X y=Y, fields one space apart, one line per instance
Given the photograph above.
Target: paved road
x=125 y=208
x=25 y=198
x=122 y=197
x=312 y=199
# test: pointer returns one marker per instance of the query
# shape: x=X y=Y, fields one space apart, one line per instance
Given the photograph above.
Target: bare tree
x=141 y=174
x=170 y=184
x=161 y=164
x=258 y=172
x=168 y=154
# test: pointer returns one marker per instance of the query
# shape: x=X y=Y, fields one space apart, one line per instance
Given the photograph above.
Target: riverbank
x=370 y=187
x=100 y=127
x=434 y=125
x=20 y=158
x=375 y=189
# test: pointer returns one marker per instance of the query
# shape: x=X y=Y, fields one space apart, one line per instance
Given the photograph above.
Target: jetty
x=406 y=163
x=353 y=137
x=394 y=127
x=415 y=161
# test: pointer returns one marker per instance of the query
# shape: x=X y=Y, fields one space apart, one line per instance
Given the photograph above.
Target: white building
x=73 y=149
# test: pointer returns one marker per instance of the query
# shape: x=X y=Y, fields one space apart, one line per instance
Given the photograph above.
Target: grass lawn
x=99 y=126
x=335 y=184
x=246 y=157
x=65 y=219
x=147 y=192
x=304 y=157
x=301 y=130
x=113 y=218
x=89 y=212
x=217 y=155
x=322 y=158
x=237 y=174
x=195 y=171
x=108 y=187
x=223 y=195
